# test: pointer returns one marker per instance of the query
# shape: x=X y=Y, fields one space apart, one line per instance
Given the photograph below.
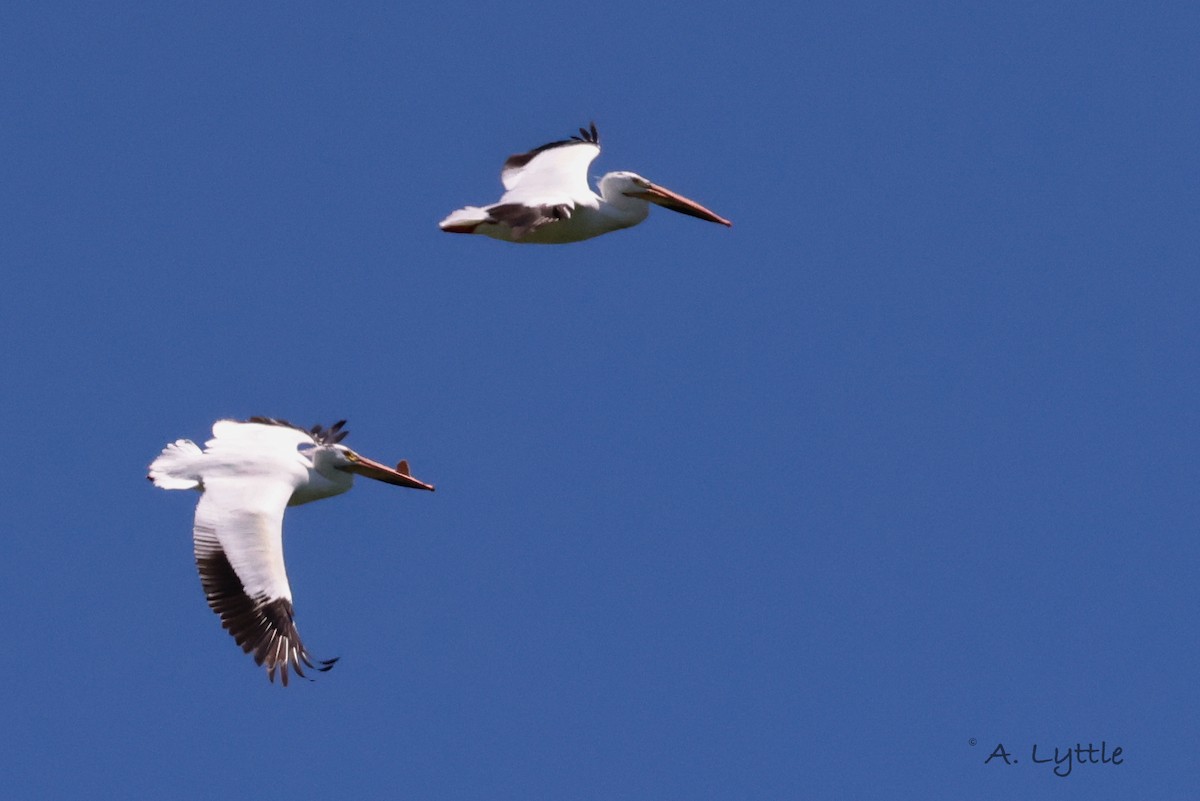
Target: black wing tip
x=302 y=655
x=292 y=655
x=330 y=436
x=264 y=628
x=589 y=135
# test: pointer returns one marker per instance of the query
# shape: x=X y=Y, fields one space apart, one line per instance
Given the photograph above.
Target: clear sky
x=907 y=459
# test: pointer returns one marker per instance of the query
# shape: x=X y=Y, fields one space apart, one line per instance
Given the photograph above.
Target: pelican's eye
x=351 y=455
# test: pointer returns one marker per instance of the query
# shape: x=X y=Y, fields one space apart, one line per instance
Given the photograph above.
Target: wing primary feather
x=589 y=135
x=519 y=160
x=264 y=628
x=329 y=436
x=325 y=436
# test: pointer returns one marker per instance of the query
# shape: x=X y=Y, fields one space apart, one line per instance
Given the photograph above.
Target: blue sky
x=906 y=458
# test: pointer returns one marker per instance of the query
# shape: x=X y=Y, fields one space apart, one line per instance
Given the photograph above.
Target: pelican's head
x=339 y=457
x=630 y=184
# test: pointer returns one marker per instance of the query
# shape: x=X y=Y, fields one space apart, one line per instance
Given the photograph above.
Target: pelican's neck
x=618 y=207
x=324 y=480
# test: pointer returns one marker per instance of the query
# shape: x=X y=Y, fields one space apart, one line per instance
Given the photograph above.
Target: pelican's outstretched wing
x=553 y=168
x=248 y=474
x=238 y=537
x=250 y=471
x=542 y=187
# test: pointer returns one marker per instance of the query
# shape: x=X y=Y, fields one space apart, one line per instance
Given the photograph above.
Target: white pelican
x=547 y=199
x=249 y=472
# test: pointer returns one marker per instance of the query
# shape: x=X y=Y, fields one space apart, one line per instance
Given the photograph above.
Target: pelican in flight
x=248 y=473
x=547 y=199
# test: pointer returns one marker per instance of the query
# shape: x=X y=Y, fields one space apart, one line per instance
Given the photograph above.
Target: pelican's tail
x=464 y=220
x=175 y=467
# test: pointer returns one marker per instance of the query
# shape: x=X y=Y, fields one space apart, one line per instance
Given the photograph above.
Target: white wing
x=256 y=440
x=550 y=175
x=243 y=518
x=543 y=187
x=249 y=474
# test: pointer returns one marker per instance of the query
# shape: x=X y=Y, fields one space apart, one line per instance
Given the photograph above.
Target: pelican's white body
x=547 y=199
x=248 y=474
x=255 y=452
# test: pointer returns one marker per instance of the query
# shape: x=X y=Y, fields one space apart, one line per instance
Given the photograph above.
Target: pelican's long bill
x=372 y=469
x=664 y=197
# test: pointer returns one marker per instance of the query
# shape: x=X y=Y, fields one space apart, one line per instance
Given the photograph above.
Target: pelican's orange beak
x=400 y=477
x=664 y=197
